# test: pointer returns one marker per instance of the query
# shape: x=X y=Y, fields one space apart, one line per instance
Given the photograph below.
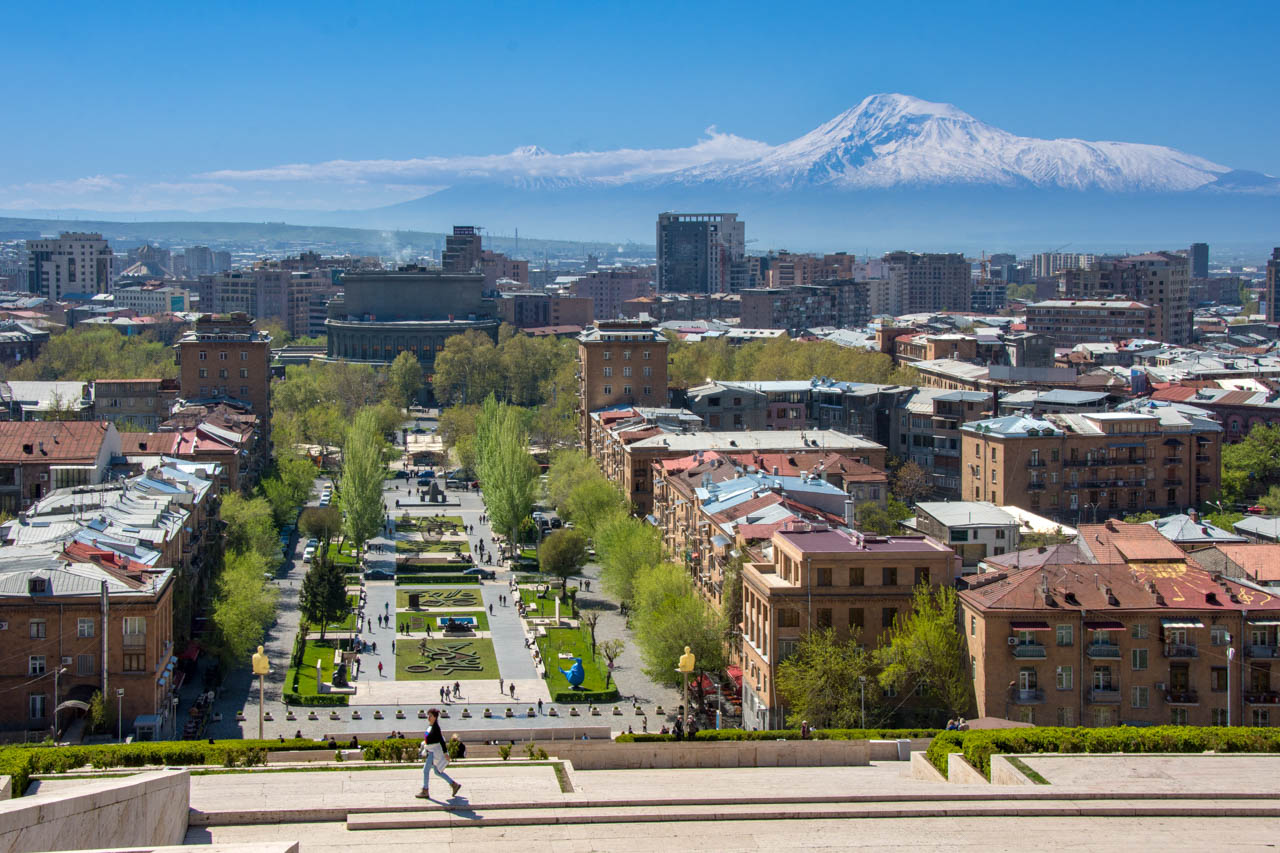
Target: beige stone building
x=620 y=363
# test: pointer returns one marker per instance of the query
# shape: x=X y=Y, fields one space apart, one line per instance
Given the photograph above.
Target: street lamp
x=173 y=707
x=1231 y=654
x=120 y=714
x=56 y=673
x=862 y=695
x=684 y=668
x=261 y=666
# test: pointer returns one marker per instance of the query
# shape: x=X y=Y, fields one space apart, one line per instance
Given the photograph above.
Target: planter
x=573 y=712
x=399 y=714
x=355 y=715
x=422 y=715
x=553 y=712
x=617 y=712
x=311 y=715
x=466 y=713
x=488 y=714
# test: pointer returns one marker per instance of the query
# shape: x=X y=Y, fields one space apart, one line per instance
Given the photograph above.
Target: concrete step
x=613 y=813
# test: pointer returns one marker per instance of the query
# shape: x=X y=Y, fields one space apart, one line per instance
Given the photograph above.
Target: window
x=607 y=355
x=889 y=692
x=824 y=617
x=84 y=628
x=36 y=705
x=1066 y=678
x=921 y=576
x=857 y=576
x=608 y=389
x=203 y=355
x=788 y=618
x=1141 y=697
x=890 y=577
x=1066 y=635
x=135 y=631
x=648 y=371
x=1218 y=717
x=626 y=371
x=222 y=356
x=608 y=371
x=86 y=664
x=973 y=667
x=35 y=665
x=244 y=356
x=244 y=390
x=1178 y=716
x=204 y=373
x=135 y=663
x=1138 y=657
x=1258 y=716
x=1138 y=631
x=648 y=389
x=37 y=629
x=626 y=389
x=244 y=373
x=222 y=374
x=626 y=355
x=1218 y=679
x=1218 y=635
x=645 y=355
x=887 y=616
x=973 y=626
x=855 y=617
x=824 y=576
x=1066 y=717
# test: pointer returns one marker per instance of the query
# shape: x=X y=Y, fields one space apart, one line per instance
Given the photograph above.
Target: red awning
x=191 y=652
x=1104 y=625
x=735 y=674
x=1029 y=626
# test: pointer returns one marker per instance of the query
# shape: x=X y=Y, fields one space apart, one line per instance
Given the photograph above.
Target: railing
x=1182 y=697
x=1106 y=651
x=134 y=641
x=1173 y=460
x=1036 y=463
x=1172 y=481
x=1104 y=696
x=1028 y=697
x=1262 y=651
x=1203 y=457
x=1180 y=650
x=1029 y=650
x=1201 y=478
x=1035 y=487
x=1262 y=697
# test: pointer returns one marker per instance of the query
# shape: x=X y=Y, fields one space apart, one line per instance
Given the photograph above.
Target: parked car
x=483 y=574
x=379 y=575
x=309 y=552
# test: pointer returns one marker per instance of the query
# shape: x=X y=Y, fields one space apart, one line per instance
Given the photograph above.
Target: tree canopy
x=250 y=528
x=924 y=648
x=625 y=547
x=404 y=379
x=323 y=597
x=780 y=358
x=826 y=681
x=244 y=606
x=563 y=554
x=506 y=469
x=88 y=352
x=671 y=615
x=1251 y=466
x=360 y=485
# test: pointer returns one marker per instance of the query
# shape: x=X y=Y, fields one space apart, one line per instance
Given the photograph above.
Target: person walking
x=500 y=687
x=434 y=756
x=379 y=669
x=539 y=707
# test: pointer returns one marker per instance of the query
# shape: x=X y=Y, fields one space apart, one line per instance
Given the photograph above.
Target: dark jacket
x=434 y=736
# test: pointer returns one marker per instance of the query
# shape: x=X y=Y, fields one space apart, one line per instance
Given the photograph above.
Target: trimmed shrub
x=452 y=579
x=567 y=697
x=784 y=734
x=320 y=700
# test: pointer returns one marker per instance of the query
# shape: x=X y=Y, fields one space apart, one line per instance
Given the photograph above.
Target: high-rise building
x=697 y=251
x=199 y=261
x=1157 y=279
x=76 y=262
x=226 y=358
x=221 y=261
x=1273 y=285
x=1047 y=264
x=620 y=363
x=462 y=252
x=931 y=282
x=1198 y=254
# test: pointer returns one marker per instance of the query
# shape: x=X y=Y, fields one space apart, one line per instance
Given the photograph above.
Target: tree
x=625 y=547
x=592 y=501
x=670 y=615
x=404 y=379
x=468 y=370
x=924 y=647
x=827 y=681
x=731 y=597
x=911 y=483
x=507 y=471
x=244 y=606
x=882 y=520
x=89 y=352
x=1043 y=540
x=102 y=714
x=360 y=486
x=321 y=522
x=611 y=649
x=1251 y=466
x=323 y=597
x=591 y=618
x=457 y=431
x=562 y=555
x=250 y=528
x=1141 y=518
x=290 y=484
x=568 y=468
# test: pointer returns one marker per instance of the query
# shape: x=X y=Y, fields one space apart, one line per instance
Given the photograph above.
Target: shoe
x=456 y=787
x=423 y=794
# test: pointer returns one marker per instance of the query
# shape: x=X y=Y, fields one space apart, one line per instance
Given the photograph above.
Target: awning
x=1181 y=623
x=192 y=651
x=1029 y=626
x=719 y=541
x=1104 y=625
x=735 y=674
x=1173 y=442
x=1266 y=621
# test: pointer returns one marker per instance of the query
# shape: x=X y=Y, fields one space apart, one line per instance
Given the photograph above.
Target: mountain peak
x=897 y=105
x=530 y=151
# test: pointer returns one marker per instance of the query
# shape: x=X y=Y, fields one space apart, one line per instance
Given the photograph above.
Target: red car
x=1256 y=509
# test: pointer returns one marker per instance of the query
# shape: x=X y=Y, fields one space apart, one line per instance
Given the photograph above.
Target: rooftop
x=967 y=513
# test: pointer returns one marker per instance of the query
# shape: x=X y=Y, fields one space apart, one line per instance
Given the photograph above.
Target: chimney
x=1194 y=515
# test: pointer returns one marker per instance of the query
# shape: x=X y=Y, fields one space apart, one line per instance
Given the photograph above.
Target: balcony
x=1035 y=487
x=1028 y=697
x=1036 y=463
x=1103 y=651
x=1182 y=697
x=1172 y=481
x=1263 y=651
x=134 y=641
x=1173 y=460
x=1028 y=650
x=1261 y=697
x=1180 y=650
x=1104 y=696
x=1203 y=457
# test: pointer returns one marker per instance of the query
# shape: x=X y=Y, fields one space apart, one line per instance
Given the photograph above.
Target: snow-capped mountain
x=896 y=140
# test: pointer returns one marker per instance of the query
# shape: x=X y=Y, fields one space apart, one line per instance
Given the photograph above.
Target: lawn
x=346 y=624
x=476 y=656
x=345 y=557
x=545 y=608
x=454 y=521
x=415 y=546
x=416 y=618
x=323 y=650
x=442 y=598
x=576 y=641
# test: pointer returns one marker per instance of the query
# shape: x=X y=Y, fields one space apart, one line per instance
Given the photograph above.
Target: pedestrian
x=441 y=694
x=457 y=690
x=379 y=669
x=500 y=689
x=678 y=729
x=490 y=609
x=393 y=647
x=804 y=729
x=513 y=690
x=434 y=756
x=539 y=707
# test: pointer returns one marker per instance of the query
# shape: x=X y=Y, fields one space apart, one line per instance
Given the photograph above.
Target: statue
x=686 y=661
x=575 y=674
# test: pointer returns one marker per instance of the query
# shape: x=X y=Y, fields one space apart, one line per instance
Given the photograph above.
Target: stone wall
x=586 y=755
x=145 y=810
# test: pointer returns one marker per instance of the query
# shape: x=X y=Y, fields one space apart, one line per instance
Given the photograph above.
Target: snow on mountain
x=893 y=140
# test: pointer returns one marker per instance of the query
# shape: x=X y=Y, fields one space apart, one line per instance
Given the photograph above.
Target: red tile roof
x=1260 y=561
x=51 y=441
x=136 y=443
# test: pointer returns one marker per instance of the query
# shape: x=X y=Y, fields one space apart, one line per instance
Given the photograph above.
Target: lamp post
x=173 y=711
x=120 y=714
x=862 y=696
x=685 y=667
x=261 y=666
x=56 y=673
x=1231 y=655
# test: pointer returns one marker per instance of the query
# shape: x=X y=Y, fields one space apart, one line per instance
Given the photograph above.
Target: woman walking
x=434 y=756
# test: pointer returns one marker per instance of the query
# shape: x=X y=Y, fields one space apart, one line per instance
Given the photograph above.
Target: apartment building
x=226 y=357
x=269 y=294
x=1078 y=321
x=973 y=529
x=811 y=576
x=931 y=282
x=153 y=298
x=1273 y=286
x=37 y=457
x=697 y=251
x=534 y=309
x=1134 y=632
x=137 y=403
x=839 y=303
x=76 y=262
x=1098 y=465
x=609 y=288
x=787 y=269
x=620 y=363
x=496 y=266
x=1159 y=280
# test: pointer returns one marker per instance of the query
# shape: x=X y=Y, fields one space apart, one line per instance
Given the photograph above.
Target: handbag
x=439 y=757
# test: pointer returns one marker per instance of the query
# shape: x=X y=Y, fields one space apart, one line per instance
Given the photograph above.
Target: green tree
x=89 y=352
x=827 y=681
x=468 y=370
x=625 y=547
x=924 y=647
x=244 y=606
x=670 y=615
x=323 y=597
x=1043 y=540
x=102 y=714
x=508 y=473
x=289 y=485
x=563 y=554
x=250 y=528
x=457 y=431
x=322 y=523
x=1141 y=518
x=360 y=485
x=404 y=379
x=568 y=468
x=882 y=520
x=592 y=501
x=911 y=483
x=1251 y=466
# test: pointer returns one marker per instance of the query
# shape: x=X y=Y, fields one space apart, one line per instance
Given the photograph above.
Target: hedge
x=454 y=579
x=319 y=700
x=784 y=734
x=570 y=697
x=979 y=746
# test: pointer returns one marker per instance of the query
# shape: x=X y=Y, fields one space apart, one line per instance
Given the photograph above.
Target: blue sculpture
x=575 y=674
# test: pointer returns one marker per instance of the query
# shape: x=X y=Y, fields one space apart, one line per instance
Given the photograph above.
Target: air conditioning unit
x=66 y=661
x=1160 y=686
x=1013 y=641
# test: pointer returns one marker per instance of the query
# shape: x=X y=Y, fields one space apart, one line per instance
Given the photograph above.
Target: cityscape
x=921 y=469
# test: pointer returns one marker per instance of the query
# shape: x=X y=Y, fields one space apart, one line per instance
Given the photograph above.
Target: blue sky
x=120 y=106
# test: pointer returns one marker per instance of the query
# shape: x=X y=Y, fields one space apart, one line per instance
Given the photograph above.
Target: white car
x=309 y=552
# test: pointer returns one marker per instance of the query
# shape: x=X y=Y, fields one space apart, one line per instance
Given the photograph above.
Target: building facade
x=619 y=363
x=226 y=357
x=696 y=251
x=1078 y=321
x=931 y=282
x=76 y=262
